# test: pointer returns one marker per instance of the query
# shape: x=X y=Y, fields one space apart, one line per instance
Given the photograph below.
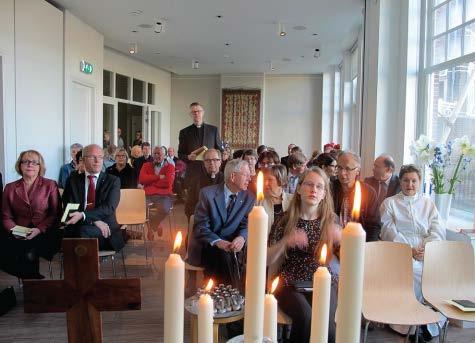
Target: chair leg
x=50 y=269
x=446 y=328
x=144 y=243
x=61 y=266
x=365 y=336
x=123 y=262
x=113 y=266
x=417 y=334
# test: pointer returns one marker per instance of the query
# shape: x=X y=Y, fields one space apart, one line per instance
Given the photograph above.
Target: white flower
x=462 y=146
x=422 y=149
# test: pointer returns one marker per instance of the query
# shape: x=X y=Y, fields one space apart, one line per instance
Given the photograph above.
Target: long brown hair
x=325 y=211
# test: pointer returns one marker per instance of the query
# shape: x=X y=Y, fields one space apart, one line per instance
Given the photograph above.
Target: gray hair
x=234 y=166
x=210 y=151
x=354 y=156
x=75 y=146
x=388 y=161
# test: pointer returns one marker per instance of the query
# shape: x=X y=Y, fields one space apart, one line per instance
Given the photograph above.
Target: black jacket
x=128 y=176
x=189 y=141
x=194 y=192
x=394 y=186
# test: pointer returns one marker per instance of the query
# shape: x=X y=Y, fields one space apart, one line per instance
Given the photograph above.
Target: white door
x=81 y=111
x=152 y=125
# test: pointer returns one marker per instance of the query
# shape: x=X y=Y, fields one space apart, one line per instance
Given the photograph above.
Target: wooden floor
x=135 y=326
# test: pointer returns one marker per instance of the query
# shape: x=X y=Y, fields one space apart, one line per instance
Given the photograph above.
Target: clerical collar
x=199 y=127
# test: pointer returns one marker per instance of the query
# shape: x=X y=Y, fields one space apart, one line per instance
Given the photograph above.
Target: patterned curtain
x=240 y=117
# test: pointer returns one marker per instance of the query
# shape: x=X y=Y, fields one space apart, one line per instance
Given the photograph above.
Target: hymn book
x=69 y=207
x=200 y=153
x=20 y=231
x=463 y=305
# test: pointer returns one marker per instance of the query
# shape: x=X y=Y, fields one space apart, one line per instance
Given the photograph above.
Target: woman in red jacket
x=32 y=202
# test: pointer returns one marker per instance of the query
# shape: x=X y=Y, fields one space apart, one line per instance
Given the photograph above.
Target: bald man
x=384 y=182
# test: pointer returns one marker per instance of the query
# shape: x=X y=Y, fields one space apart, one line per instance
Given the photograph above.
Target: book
x=200 y=153
x=69 y=207
x=20 y=231
x=463 y=304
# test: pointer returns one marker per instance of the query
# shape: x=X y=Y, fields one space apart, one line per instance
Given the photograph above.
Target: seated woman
x=296 y=238
x=251 y=157
x=412 y=218
x=123 y=170
x=32 y=202
x=326 y=162
x=267 y=159
x=276 y=201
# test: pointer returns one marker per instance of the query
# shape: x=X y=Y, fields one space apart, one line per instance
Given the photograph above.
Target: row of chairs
x=388 y=293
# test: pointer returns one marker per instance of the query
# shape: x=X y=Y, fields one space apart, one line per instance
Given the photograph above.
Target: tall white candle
x=321 y=301
x=174 y=296
x=270 y=313
x=350 y=287
x=205 y=316
x=256 y=270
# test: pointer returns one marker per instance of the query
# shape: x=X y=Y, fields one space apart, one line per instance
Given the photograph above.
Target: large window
x=450 y=78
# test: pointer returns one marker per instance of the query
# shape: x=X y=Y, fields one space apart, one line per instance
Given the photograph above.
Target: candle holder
x=227 y=301
x=240 y=339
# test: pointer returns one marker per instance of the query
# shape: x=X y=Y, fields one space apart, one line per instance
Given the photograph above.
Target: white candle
x=174 y=296
x=256 y=270
x=321 y=301
x=205 y=316
x=270 y=313
x=350 y=287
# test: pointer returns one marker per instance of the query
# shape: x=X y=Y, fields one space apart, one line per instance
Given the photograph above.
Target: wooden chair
x=388 y=293
x=449 y=273
x=132 y=211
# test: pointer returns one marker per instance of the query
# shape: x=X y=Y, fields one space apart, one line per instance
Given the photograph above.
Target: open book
x=463 y=305
x=20 y=231
x=69 y=207
x=200 y=153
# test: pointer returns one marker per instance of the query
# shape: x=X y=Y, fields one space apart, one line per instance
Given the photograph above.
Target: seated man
x=212 y=162
x=98 y=195
x=157 y=179
x=146 y=157
x=220 y=226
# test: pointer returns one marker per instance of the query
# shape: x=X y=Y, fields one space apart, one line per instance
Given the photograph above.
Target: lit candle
x=174 y=295
x=321 y=301
x=350 y=287
x=270 y=313
x=256 y=270
x=205 y=316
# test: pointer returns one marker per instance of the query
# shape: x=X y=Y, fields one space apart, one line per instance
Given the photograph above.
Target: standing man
x=98 y=195
x=196 y=136
x=343 y=191
x=120 y=140
x=384 y=181
x=67 y=168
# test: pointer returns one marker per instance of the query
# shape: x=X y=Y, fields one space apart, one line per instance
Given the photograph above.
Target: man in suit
x=98 y=195
x=193 y=137
x=285 y=160
x=343 y=190
x=146 y=157
x=220 y=225
x=384 y=182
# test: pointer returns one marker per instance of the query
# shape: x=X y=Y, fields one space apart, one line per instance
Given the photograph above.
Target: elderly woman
x=296 y=239
x=327 y=163
x=123 y=170
x=267 y=159
x=31 y=202
x=412 y=218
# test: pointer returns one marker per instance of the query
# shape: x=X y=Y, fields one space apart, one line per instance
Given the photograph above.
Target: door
x=82 y=110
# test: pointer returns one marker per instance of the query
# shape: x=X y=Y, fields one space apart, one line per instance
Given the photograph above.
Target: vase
x=443 y=202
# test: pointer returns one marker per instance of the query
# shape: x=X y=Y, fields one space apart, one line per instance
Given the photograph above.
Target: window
x=122 y=86
x=138 y=90
x=107 y=83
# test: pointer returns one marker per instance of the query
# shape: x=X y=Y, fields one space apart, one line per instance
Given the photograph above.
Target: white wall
x=125 y=65
x=187 y=89
x=293 y=112
x=81 y=42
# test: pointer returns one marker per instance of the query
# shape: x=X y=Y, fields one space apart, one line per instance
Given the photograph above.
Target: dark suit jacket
x=189 y=140
x=211 y=221
x=284 y=160
x=107 y=200
x=394 y=186
x=369 y=215
x=194 y=190
x=41 y=209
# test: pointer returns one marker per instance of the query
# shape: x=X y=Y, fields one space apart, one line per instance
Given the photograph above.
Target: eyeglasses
x=347 y=169
x=215 y=160
x=312 y=185
x=29 y=163
x=92 y=157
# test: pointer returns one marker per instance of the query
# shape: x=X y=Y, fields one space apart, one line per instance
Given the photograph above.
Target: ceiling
x=192 y=31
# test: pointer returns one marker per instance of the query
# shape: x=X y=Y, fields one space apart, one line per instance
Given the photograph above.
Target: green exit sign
x=86 y=67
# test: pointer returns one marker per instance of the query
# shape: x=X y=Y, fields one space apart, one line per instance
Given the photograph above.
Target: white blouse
x=413 y=220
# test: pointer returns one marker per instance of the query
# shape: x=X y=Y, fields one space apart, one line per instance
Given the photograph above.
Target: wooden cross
x=82 y=295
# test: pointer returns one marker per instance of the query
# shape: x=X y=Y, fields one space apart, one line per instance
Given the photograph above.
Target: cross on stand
x=82 y=295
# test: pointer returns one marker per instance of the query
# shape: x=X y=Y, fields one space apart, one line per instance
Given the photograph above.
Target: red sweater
x=160 y=184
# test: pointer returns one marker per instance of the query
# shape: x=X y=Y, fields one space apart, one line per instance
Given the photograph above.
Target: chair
x=132 y=211
x=171 y=217
x=103 y=255
x=449 y=273
x=388 y=293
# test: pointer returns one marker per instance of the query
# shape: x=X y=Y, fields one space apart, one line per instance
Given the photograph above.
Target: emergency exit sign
x=86 y=67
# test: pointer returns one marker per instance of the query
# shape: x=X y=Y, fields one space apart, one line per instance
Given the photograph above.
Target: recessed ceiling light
x=134 y=31
x=299 y=27
x=145 y=26
x=286 y=59
x=133 y=48
x=314 y=34
x=136 y=12
x=219 y=16
x=227 y=44
x=282 y=31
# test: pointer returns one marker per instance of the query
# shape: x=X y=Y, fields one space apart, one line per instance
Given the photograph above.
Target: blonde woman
x=297 y=238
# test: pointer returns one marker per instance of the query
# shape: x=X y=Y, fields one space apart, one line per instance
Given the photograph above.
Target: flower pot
x=443 y=203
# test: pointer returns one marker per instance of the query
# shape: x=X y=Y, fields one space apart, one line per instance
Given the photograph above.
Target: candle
x=256 y=269
x=350 y=287
x=321 y=301
x=174 y=295
x=205 y=316
x=270 y=313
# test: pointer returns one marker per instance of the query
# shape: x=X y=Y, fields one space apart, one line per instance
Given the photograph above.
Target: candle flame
x=178 y=239
x=209 y=285
x=260 y=186
x=356 y=202
x=275 y=283
x=323 y=255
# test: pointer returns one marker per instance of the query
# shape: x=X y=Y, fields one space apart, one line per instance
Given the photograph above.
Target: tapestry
x=240 y=118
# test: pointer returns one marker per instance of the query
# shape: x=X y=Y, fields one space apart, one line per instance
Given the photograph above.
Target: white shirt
x=413 y=220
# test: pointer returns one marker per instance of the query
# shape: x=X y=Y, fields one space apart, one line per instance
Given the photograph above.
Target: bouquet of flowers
x=439 y=158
